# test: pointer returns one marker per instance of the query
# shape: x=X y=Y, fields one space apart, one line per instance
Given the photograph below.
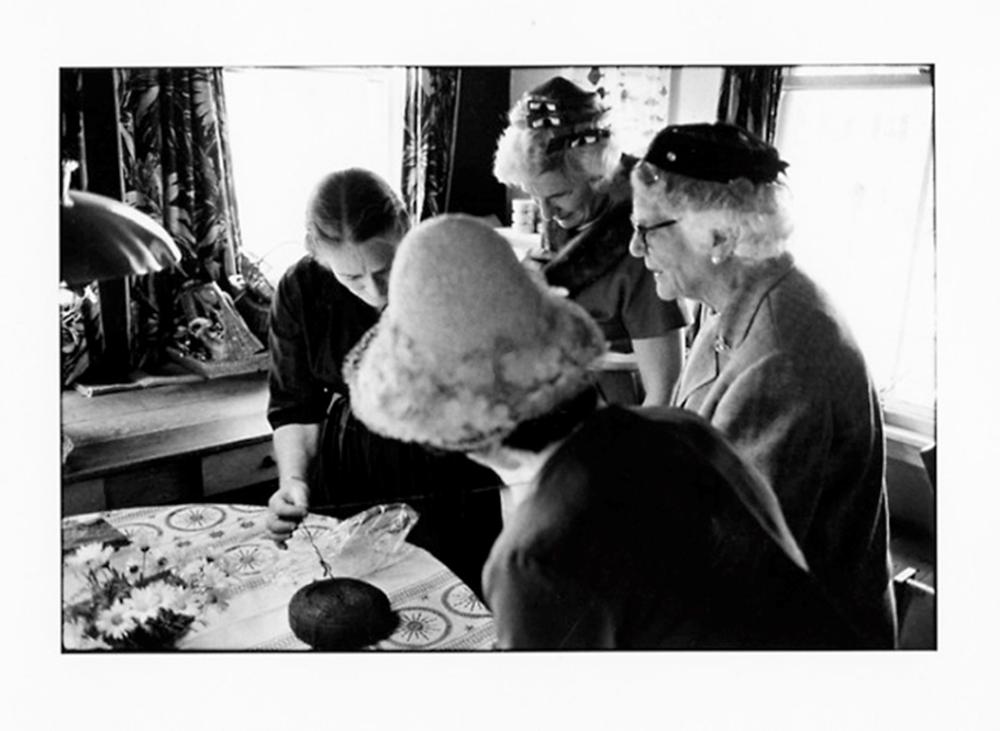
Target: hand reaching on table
x=286 y=509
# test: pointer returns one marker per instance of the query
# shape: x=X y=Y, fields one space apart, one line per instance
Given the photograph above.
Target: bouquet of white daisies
x=137 y=599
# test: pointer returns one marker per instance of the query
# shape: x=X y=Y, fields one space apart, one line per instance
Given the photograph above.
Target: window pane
x=288 y=128
x=860 y=171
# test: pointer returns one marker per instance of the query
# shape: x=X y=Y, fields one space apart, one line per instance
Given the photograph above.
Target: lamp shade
x=101 y=238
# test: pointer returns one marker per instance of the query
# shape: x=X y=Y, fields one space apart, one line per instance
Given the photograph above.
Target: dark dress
x=593 y=263
x=314 y=322
x=645 y=531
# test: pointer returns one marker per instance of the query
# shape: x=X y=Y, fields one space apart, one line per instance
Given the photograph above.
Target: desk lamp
x=101 y=238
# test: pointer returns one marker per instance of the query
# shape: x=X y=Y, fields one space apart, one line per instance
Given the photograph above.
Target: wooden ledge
x=118 y=431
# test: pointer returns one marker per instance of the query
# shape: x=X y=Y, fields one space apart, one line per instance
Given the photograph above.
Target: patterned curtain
x=749 y=98
x=176 y=167
x=429 y=139
x=637 y=95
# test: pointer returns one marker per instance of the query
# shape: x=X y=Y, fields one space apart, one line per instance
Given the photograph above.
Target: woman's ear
x=310 y=241
x=723 y=244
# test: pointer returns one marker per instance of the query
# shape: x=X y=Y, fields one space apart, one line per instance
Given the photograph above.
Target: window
x=290 y=126
x=637 y=95
x=859 y=145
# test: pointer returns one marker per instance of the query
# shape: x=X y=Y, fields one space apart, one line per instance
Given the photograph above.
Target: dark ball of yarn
x=341 y=614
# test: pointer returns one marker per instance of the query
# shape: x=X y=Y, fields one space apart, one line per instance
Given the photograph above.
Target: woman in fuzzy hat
x=625 y=527
x=560 y=149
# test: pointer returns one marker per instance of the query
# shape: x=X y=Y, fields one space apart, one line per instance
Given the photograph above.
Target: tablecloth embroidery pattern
x=437 y=611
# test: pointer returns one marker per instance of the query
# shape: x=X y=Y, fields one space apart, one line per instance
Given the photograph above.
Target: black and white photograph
x=581 y=383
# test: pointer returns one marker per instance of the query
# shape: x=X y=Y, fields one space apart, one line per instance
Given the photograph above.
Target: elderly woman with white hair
x=560 y=149
x=774 y=367
x=638 y=527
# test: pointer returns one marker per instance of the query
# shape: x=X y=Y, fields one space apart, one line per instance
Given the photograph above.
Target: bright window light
x=861 y=173
x=288 y=127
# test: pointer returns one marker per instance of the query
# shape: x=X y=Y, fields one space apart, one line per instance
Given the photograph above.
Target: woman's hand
x=295 y=447
x=659 y=360
x=286 y=509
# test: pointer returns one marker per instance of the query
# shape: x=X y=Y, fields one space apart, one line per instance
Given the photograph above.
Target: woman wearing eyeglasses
x=774 y=367
x=560 y=150
x=636 y=528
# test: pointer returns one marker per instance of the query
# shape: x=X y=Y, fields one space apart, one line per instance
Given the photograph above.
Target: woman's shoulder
x=303 y=270
x=308 y=279
x=799 y=306
x=799 y=332
x=615 y=436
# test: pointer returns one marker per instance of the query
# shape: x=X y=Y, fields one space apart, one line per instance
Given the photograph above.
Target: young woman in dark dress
x=323 y=305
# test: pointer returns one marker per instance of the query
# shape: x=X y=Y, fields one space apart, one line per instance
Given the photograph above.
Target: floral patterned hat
x=470 y=345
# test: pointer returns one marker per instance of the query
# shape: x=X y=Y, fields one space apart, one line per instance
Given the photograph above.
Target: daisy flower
x=216 y=573
x=191 y=571
x=115 y=621
x=90 y=554
x=145 y=603
x=181 y=601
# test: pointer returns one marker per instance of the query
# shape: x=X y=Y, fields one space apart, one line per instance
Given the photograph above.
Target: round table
x=437 y=611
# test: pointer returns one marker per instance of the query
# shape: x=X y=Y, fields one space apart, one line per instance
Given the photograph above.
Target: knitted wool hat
x=470 y=345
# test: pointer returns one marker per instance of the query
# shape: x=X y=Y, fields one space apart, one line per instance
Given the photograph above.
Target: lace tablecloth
x=437 y=611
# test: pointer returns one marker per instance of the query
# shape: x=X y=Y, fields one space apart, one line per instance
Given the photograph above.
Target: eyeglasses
x=641 y=231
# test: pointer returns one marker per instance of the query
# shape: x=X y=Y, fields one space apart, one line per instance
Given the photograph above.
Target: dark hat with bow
x=559 y=104
x=717 y=152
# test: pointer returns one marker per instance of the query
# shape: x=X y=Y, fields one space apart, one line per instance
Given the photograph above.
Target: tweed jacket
x=779 y=373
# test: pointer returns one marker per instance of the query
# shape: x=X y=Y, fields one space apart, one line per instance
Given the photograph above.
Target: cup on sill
x=523 y=213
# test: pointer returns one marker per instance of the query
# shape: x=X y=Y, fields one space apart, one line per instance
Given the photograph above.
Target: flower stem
x=327 y=570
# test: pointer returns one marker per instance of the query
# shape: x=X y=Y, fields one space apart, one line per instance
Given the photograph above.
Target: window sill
x=905 y=445
x=125 y=431
x=908 y=430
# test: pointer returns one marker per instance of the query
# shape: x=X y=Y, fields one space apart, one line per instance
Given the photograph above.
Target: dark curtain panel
x=749 y=98
x=428 y=139
x=71 y=143
x=482 y=116
x=79 y=314
x=176 y=167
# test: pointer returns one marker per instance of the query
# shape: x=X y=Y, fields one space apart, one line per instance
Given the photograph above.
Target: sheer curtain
x=860 y=143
